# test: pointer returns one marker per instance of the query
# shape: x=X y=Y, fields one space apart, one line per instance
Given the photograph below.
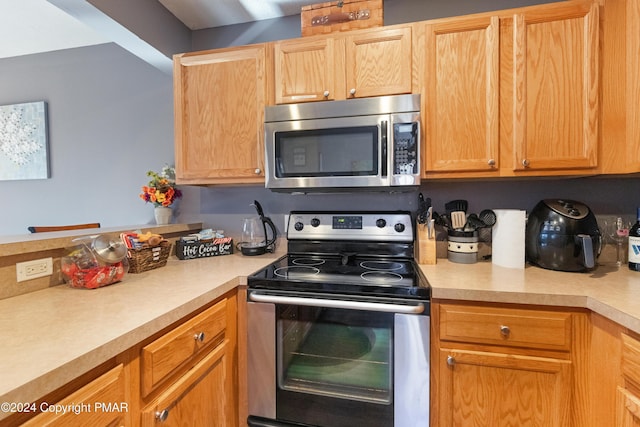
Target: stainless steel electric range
x=338 y=329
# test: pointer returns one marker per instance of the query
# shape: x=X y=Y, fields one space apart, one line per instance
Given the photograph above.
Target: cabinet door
x=461 y=102
x=633 y=83
x=99 y=403
x=378 y=62
x=202 y=397
x=219 y=114
x=304 y=70
x=555 y=80
x=628 y=409
x=493 y=389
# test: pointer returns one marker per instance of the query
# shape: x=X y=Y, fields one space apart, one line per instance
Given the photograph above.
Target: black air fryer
x=562 y=235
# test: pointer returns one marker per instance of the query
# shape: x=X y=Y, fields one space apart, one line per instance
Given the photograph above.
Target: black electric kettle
x=254 y=234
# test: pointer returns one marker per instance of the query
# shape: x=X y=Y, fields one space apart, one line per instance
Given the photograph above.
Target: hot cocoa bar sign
x=203 y=249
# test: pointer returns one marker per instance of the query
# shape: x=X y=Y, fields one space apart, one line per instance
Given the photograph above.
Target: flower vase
x=163 y=215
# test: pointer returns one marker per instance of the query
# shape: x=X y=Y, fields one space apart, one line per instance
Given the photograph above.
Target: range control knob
x=399 y=227
x=315 y=222
x=381 y=223
x=298 y=226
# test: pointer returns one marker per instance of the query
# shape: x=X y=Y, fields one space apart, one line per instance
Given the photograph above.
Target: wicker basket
x=148 y=258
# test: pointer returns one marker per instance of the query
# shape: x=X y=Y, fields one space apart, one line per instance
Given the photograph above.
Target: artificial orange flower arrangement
x=161 y=190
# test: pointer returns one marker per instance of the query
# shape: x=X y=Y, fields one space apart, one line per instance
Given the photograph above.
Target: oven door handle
x=331 y=303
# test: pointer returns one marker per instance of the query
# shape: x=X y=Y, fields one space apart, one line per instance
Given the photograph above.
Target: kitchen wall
x=111 y=120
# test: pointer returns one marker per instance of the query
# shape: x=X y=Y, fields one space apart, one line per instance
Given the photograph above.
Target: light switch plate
x=33 y=269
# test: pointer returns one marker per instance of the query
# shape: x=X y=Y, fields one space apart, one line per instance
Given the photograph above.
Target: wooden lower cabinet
x=101 y=402
x=189 y=374
x=628 y=392
x=202 y=397
x=501 y=365
x=186 y=374
x=498 y=389
x=628 y=409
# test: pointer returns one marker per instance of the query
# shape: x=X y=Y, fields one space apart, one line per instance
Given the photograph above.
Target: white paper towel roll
x=507 y=238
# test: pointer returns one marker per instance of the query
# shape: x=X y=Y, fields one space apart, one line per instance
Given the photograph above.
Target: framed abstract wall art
x=24 y=151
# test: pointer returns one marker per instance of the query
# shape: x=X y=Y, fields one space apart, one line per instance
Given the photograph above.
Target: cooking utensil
x=458 y=219
x=456 y=205
x=442 y=220
x=473 y=223
x=488 y=217
x=423 y=209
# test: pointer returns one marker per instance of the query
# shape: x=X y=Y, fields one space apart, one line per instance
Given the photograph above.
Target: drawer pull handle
x=199 y=337
x=505 y=331
x=162 y=415
x=451 y=361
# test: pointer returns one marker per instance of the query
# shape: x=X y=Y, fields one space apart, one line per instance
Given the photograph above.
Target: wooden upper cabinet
x=461 y=99
x=378 y=62
x=555 y=87
x=304 y=70
x=356 y=64
x=219 y=100
x=633 y=84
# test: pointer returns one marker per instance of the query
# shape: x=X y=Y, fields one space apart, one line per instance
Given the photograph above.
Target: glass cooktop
x=349 y=273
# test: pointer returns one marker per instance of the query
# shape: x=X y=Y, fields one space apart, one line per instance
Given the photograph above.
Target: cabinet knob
x=525 y=163
x=258 y=171
x=352 y=91
x=505 y=331
x=451 y=361
x=491 y=162
x=325 y=94
x=199 y=337
x=162 y=415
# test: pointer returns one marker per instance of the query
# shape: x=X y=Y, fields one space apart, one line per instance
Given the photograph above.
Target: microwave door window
x=351 y=151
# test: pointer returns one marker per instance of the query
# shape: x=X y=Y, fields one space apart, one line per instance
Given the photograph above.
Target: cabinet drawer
x=631 y=358
x=177 y=347
x=506 y=326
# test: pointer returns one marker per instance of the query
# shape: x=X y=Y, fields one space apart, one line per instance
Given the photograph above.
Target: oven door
x=337 y=362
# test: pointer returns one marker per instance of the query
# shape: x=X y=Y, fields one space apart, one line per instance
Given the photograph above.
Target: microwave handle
x=383 y=147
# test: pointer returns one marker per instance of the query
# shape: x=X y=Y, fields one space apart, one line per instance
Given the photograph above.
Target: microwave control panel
x=405 y=148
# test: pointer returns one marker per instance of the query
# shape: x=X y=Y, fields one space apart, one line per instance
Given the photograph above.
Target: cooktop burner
x=354 y=274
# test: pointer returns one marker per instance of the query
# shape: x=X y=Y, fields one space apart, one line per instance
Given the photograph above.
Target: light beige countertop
x=55 y=335
x=52 y=336
x=608 y=290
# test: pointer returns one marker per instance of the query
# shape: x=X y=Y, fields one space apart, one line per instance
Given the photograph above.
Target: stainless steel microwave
x=369 y=143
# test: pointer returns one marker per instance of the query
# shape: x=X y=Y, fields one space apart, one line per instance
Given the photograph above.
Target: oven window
x=345 y=354
x=349 y=151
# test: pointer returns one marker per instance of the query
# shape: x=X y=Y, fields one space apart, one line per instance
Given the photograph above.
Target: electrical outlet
x=33 y=269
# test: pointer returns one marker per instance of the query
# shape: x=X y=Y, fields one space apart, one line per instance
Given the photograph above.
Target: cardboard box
x=323 y=18
x=204 y=249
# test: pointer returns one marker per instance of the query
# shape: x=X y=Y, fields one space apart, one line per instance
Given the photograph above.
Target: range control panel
x=393 y=226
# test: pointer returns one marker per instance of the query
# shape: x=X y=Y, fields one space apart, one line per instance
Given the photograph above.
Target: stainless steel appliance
x=338 y=329
x=367 y=142
x=562 y=235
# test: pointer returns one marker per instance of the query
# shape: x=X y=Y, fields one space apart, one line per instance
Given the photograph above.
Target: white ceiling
x=199 y=14
x=35 y=26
